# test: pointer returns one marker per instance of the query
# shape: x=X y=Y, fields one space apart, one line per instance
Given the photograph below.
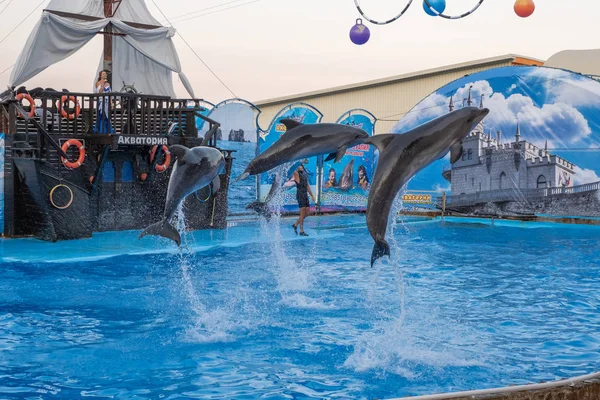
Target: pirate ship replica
x=77 y=163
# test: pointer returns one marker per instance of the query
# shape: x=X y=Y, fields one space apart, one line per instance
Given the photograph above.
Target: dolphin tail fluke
x=381 y=248
x=162 y=228
x=260 y=208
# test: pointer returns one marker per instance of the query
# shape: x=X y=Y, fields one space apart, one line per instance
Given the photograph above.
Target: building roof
x=585 y=62
x=513 y=58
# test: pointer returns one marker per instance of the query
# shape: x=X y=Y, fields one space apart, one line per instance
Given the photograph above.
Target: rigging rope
x=439 y=14
x=190 y=47
x=433 y=10
x=20 y=23
x=356 y=3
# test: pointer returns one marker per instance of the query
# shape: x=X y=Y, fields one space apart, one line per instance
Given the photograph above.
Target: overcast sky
x=271 y=48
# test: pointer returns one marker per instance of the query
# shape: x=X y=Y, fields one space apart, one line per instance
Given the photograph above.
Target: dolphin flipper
x=330 y=157
x=340 y=153
x=215 y=184
x=456 y=152
x=290 y=123
x=162 y=228
x=178 y=150
x=381 y=141
x=381 y=248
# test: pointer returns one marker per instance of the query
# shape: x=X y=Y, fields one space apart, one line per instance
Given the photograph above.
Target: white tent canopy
x=144 y=57
x=585 y=62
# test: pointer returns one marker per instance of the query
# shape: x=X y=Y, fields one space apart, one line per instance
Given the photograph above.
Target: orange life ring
x=27 y=97
x=63 y=111
x=161 y=167
x=80 y=146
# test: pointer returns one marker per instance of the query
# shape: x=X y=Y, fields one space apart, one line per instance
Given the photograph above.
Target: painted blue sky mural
x=551 y=105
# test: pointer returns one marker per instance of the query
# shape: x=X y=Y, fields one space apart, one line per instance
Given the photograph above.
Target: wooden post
x=108 y=39
x=443 y=204
x=9 y=176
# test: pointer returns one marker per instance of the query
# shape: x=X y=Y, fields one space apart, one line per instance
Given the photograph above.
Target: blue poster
x=238 y=132
x=304 y=114
x=345 y=185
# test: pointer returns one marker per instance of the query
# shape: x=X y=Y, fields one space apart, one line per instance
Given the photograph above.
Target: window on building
x=503 y=181
x=470 y=154
x=541 y=182
x=464 y=155
x=472 y=181
x=480 y=186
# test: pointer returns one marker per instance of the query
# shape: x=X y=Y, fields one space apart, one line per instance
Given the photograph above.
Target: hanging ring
x=207 y=197
x=386 y=22
x=439 y=14
x=70 y=194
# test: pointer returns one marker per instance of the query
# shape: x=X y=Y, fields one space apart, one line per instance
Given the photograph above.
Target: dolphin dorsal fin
x=381 y=141
x=178 y=150
x=290 y=123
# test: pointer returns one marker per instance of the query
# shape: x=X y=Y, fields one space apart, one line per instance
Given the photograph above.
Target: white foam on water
x=290 y=276
x=207 y=326
x=298 y=300
x=401 y=343
x=414 y=345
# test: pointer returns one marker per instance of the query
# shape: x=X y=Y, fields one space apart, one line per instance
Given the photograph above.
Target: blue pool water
x=255 y=311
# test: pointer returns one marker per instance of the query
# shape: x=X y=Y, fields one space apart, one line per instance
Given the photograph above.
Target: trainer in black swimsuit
x=302 y=190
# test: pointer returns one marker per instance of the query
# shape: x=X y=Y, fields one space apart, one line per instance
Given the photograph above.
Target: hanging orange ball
x=524 y=8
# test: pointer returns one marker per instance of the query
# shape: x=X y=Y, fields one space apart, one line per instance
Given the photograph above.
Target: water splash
x=207 y=326
x=290 y=276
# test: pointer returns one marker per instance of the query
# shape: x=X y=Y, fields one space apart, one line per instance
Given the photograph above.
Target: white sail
x=144 y=57
x=91 y=8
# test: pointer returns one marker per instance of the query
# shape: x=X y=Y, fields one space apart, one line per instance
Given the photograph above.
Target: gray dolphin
x=262 y=207
x=303 y=141
x=347 y=178
x=401 y=156
x=194 y=169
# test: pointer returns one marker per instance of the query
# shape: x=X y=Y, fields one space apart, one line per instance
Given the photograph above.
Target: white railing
x=516 y=194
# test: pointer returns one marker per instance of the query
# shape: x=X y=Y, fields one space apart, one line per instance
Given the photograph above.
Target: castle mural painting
x=537 y=152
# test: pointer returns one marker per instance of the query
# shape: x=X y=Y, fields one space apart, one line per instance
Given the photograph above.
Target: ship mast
x=110 y=8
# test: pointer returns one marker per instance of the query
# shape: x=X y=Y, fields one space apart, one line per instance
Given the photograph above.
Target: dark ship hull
x=119 y=185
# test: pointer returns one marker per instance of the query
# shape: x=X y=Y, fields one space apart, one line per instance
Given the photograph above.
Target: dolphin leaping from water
x=401 y=156
x=303 y=141
x=194 y=169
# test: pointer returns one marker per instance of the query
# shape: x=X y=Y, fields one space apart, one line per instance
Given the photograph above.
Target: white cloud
x=439 y=188
x=583 y=176
x=560 y=123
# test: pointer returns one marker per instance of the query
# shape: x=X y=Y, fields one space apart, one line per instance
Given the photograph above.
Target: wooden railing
x=77 y=114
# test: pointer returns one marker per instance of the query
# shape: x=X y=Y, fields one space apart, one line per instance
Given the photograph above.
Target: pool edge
x=582 y=387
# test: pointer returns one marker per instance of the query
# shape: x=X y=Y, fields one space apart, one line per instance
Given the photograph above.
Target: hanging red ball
x=524 y=8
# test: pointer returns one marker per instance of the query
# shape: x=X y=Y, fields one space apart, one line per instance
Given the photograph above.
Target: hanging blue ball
x=438 y=5
x=359 y=33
